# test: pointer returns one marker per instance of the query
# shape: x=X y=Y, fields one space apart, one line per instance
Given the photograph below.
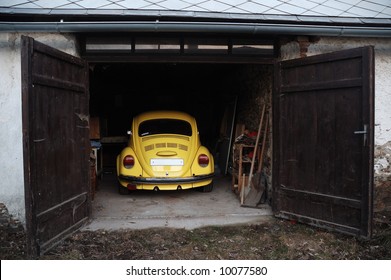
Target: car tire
x=122 y=190
x=207 y=188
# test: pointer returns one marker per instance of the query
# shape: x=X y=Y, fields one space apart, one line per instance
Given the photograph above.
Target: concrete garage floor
x=187 y=209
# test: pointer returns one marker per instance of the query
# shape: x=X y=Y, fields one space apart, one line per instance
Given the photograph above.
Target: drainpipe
x=204 y=27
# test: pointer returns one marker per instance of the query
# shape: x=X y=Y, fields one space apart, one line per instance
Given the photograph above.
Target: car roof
x=163 y=115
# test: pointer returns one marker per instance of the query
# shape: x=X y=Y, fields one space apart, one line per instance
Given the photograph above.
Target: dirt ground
x=275 y=239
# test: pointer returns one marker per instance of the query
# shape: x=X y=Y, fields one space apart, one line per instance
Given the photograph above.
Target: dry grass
x=277 y=239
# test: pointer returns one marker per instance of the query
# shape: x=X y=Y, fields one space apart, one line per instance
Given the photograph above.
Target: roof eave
x=202 y=27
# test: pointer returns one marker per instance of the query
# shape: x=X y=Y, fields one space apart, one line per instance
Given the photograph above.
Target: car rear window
x=164 y=126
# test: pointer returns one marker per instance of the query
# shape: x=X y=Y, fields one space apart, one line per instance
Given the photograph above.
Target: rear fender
x=196 y=169
x=136 y=170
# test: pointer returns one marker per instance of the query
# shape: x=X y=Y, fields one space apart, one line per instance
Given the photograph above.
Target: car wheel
x=207 y=188
x=122 y=190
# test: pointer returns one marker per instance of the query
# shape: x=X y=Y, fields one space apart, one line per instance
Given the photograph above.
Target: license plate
x=166 y=162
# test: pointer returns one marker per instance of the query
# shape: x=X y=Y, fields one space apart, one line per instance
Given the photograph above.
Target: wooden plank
x=337 y=84
x=319 y=223
x=368 y=108
x=314 y=196
x=265 y=134
x=31 y=224
x=256 y=146
x=95 y=128
x=239 y=130
x=47 y=245
x=58 y=83
x=324 y=58
x=58 y=55
x=277 y=164
x=180 y=58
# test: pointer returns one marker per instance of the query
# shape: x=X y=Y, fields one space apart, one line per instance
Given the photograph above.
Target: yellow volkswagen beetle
x=164 y=153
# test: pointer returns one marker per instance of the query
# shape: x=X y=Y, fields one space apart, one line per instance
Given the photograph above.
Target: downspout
x=192 y=27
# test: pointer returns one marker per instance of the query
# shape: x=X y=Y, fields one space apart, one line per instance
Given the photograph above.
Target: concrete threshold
x=186 y=209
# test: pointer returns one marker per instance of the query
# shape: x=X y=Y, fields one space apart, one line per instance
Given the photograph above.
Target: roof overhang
x=199 y=27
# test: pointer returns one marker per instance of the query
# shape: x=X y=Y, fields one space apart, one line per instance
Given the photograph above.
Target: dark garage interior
x=212 y=93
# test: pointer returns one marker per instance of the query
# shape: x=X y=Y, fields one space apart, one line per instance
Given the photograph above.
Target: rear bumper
x=162 y=181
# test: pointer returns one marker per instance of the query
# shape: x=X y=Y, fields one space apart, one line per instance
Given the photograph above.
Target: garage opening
x=221 y=97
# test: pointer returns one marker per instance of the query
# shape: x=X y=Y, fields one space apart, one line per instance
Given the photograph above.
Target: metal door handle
x=364 y=133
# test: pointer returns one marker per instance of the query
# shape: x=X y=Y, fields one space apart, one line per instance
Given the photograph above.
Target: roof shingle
x=331 y=8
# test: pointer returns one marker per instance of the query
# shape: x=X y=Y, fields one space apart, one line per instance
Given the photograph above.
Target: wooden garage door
x=56 y=143
x=323 y=140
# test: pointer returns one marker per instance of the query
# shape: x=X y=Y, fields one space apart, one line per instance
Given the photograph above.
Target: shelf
x=241 y=162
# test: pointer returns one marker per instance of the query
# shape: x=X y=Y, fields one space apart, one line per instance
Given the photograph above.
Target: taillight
x=203 y=160
x=128 y=161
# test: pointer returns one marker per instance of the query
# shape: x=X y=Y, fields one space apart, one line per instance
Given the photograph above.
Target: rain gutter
x=199 y=27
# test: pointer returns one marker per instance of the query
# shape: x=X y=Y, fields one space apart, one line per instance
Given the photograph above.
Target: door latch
x=364 y=132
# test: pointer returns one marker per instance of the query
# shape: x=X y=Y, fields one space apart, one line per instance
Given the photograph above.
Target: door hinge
x=364 y=132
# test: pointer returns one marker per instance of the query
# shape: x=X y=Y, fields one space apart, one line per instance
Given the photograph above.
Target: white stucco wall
x=11 y=149
x=382 y=74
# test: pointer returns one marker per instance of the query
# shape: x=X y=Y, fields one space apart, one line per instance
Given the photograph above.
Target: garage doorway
x=119 y=91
